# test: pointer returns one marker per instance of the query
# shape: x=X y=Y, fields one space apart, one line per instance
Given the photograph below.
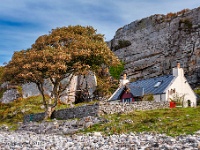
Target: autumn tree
x=64 y=52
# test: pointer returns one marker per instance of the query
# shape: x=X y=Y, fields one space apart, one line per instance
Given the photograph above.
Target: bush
x=187 y=24
x=171 y=15
x=148 y=97
x=1 y=73
x=115 y=72
x=122 y=44
x=197 y=92
x=2 y=90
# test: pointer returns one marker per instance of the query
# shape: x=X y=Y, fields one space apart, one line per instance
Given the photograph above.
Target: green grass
x=14 y=112
x=172 y=122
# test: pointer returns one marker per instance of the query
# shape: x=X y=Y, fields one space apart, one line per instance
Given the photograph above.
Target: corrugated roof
x=117 y=94
x=146 y=86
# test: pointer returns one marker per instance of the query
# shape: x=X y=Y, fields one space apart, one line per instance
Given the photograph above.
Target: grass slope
x=14 y=112
x=172 y=122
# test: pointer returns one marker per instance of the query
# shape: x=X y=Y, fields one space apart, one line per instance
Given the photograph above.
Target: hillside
x=152 y=46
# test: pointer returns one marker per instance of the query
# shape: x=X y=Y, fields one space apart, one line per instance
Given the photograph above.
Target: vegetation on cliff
x=121 y=44
x=1 y=73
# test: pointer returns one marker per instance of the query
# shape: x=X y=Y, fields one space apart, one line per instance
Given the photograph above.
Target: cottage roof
x=153 y=86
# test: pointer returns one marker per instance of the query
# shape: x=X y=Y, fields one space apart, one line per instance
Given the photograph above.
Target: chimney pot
x=178 y=65
x=124 y=76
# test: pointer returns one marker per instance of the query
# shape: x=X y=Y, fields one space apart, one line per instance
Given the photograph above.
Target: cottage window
x=127 y=100
x=157 y=84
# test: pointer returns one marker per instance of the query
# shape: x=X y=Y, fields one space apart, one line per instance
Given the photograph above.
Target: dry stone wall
x=158 y=42
x=117 y=107
x=98 y=109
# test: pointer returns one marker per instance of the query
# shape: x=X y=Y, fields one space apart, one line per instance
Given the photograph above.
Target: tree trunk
x=49 y=111
x=51 y=107
x=40 y=88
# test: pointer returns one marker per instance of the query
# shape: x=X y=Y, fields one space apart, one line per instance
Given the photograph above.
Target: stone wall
x=98 y=109
x=34 y=117
x=113 y=107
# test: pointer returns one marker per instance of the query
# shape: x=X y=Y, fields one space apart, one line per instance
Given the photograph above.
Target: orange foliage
x=62 y=53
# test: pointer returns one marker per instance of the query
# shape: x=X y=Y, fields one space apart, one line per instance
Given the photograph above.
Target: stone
x=88 y=124
x=97 y=134
x=198 y=132
x=198 y=145
x=10 y=95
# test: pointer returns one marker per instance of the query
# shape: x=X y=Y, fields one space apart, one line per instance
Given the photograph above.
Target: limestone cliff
x=152 y=46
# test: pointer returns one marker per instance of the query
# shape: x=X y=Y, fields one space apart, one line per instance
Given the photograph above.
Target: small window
x=158 y=84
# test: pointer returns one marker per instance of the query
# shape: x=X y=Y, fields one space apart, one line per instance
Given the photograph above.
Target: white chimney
x=178 y=71
x=124 y=81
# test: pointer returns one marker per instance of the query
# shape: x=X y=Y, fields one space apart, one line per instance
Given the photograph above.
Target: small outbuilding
x=170 y=88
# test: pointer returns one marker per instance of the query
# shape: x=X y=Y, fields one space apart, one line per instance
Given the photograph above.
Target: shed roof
x=153 y=86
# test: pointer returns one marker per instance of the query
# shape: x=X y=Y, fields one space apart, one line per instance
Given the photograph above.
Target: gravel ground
x=145 y=141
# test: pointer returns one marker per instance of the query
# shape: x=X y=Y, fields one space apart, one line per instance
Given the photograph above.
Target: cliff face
x=152 y=46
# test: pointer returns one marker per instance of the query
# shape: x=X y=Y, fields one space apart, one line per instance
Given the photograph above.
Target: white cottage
x=163 y=88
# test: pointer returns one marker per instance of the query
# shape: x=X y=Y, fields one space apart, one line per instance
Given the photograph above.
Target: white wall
x=182 y=88
x=160 y=97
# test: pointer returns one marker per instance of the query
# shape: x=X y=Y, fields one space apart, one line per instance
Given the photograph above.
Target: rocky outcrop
x=67 y=96
x=10 y=95
x=152 y=46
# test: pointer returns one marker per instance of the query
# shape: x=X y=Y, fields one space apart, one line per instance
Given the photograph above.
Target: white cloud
x=23 y=21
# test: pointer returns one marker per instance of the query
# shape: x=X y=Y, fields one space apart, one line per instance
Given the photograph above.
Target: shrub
x=115 y=72
x=197 y=91
x=122 y=44
x=1 y=73
x=182 y=11
x=178 y=98
x=2 y=90
x=133 y=79
x=171 y=15
x=148 y=97
x=187 y=24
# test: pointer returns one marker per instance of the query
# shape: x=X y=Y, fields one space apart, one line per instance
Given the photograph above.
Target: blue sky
x=23 y=21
